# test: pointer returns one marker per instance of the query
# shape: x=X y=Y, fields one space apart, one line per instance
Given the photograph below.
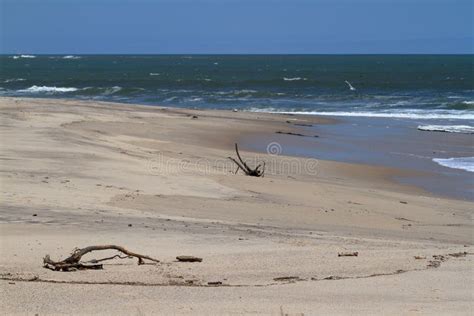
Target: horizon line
x=229 y=54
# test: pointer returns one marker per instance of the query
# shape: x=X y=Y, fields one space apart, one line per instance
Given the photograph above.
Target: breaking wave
x=294 y=79
x=71 y=57
x=463 y=163
x=13 y=80
x=112 y=90
x=413 y=114
x=23 y=56
x=40 y=89
x=464 y=129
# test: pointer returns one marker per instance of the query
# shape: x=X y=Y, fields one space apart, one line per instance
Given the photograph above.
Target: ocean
x=420 y=86
x=429 y=93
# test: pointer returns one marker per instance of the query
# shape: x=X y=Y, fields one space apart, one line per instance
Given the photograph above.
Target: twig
x=348 y=254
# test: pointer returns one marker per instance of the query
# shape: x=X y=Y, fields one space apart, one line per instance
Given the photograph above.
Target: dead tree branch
x=241 y=164
x=74 y=261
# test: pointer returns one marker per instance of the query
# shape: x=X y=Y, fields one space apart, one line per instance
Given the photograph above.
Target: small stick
x=348 y=254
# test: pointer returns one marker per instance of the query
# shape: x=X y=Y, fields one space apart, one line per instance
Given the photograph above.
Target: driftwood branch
x=241 y=164
x=73 y=262
x=348 y=254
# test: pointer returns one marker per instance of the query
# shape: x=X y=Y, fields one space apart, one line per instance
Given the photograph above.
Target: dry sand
x=157 y=181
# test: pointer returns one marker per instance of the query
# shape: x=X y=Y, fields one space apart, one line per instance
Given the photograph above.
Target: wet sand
x=387 y=142
x=157 y=181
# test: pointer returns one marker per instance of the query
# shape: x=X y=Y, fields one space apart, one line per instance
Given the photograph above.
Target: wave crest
x=13 y=80
x=39 y=89
x=294 y=79
x=71 y=57
x=413 y=114
x=112 y=90
x=464 y=129
x=463 y=163
x=23 y=56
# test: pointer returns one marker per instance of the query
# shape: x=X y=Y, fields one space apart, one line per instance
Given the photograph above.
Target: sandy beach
x=158 y=181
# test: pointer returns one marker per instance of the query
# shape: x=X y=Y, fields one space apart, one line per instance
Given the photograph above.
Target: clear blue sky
x=236 y=26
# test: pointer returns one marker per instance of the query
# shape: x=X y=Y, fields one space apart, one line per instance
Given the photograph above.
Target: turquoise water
x=382 y=85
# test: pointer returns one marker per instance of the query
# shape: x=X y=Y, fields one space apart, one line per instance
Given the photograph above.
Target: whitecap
x=244 y=91
x=468 y=102
x=38 y=89
x=293 y=79
x=112 y=90
x=464 y=129
x=14 y=80
x=463 y=163
x=170 y=99
x=22 y=56
x=71 y=57
x=413 y=114
x=154 y=74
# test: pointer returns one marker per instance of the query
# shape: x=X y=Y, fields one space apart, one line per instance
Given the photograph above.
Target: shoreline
x=275 y=121
x=381 y=142
x=158 y=181
x=296 y=125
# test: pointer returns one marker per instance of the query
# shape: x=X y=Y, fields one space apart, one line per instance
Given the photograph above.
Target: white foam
x=468 y=102
x=293 y=79
x=23 y=56
x=413 y=114
x=112 y=90
x=170 y=99
x=71 y=57
x=464 y=129
x=37 y=89
x=243 y=91
x=464 y=163
x=14 y=80
x=154 y=74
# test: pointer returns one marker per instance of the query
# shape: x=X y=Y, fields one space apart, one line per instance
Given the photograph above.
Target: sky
x=236 y=26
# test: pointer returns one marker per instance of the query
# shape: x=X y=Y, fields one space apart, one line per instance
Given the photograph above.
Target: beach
x=158 y=181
